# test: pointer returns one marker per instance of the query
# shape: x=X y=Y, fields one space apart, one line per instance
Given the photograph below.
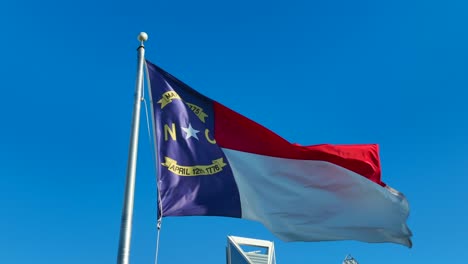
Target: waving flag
x=216 y=162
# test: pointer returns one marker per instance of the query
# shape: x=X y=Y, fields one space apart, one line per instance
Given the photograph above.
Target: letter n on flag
x=213 y=161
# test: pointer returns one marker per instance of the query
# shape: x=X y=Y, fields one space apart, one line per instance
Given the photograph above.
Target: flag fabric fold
x=213 y=161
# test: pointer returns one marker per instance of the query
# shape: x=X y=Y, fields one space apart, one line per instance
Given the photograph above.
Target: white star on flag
x=190 y=132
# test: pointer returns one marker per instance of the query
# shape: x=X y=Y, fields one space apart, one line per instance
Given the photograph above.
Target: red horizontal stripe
x=234 y=131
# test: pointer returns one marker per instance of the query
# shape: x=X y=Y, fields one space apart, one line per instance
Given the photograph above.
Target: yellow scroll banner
x=197 y=170
x=167 y=98
x=198 y=111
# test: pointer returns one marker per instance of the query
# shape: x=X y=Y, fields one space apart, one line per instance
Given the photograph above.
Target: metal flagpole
x=127 y=211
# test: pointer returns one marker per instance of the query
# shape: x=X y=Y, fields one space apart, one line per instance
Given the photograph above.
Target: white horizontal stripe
x=307 y=200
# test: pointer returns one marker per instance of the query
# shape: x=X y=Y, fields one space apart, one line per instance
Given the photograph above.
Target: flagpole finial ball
x=143 y=36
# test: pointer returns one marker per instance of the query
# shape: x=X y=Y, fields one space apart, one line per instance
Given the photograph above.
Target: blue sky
x=392 y=73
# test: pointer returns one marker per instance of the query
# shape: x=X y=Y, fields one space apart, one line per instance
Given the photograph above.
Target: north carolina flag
x=213 y=161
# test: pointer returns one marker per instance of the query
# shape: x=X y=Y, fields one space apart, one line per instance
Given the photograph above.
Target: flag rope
x=152 y=143
x=153 y=154
x=157 y=241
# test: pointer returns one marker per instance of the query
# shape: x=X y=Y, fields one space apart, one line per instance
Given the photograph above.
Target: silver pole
x=127 y=211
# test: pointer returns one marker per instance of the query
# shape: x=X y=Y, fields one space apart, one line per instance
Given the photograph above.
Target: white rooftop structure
x=241 y=250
